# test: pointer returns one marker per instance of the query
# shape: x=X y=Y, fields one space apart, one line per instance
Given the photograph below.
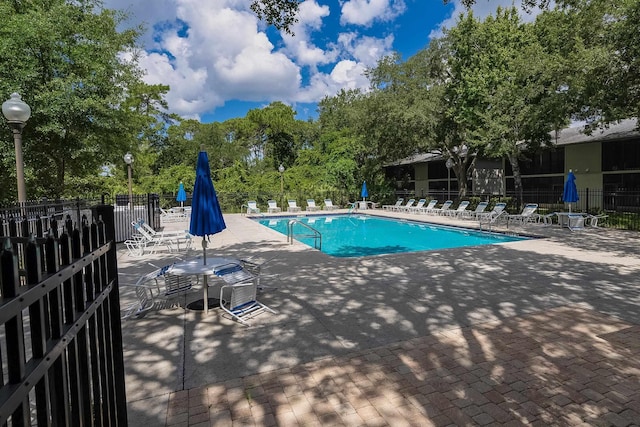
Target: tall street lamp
x=449 y=165
x=281 y=170
x=128 y=159
x=17 y=112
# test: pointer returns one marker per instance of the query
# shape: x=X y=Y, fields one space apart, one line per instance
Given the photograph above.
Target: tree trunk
x=517 y=178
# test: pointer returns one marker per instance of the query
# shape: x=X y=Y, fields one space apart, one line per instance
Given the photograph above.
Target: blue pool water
x=362 y=235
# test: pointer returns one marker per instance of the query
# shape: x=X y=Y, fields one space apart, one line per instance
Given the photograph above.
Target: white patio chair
x=252 y=207
x=172 y=243
x=527 y=215
x=442 y=210
x=329 y=206
x=239 y=300
x=495 y=214
x=406 y=207
x=482 y=206
x=392 y=207
x=273 y=207
x=593 y=220
x=428 y=208
x=311 y=205
x=459 y=211
x=293 y=206
x=576 y=222
x=158 y=289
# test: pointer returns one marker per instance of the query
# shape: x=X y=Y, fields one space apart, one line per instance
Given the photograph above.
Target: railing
x=315 y=234
x=62 y=362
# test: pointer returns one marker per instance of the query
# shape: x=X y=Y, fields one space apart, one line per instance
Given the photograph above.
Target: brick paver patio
x=542 y=332
x=566 y=366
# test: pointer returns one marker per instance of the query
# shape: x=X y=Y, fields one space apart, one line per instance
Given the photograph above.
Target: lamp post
x=128 y=159
x=449 y=165
x=17 y=112
x=281 y=170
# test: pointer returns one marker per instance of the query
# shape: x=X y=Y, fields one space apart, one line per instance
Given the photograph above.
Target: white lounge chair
x=526 y=216
x=442 y=210
x=418 y=206
x=495 y=213
x=172 y=233
x=169 y=216
x=406 y=207
x=480 y=208
x=293 y=206
x=311 y=205
x=329 y=206
x=239 y=300
x=273 y=207
x=148 y=241
x=429 y=207
x=252 y=207
x=392 y=207
x=459 y=211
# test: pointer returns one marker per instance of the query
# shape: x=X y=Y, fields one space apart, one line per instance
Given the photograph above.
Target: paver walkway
x=566 y=366
x=541 y=332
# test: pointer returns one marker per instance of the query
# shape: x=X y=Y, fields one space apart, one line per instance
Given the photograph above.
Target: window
x=621 y=155
x=543 y=161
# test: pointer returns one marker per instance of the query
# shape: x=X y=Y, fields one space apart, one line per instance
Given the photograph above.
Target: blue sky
x=220 y=61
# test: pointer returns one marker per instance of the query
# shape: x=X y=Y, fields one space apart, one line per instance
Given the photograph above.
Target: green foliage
x=67 y=61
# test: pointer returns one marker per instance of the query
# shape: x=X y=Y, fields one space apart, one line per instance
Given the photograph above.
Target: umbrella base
x=198 y=305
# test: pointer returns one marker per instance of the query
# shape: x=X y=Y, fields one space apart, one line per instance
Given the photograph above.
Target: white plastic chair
x=273 y=207
x=252 y=207
x=527 y=215
x=311 y=205
x=392 y=207
x=293 y=206
x=482 y=206
x=239 y=300
x=328 y=205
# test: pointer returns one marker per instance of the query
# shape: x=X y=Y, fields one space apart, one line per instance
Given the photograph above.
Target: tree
x=527 y=5
x=70 y=64
x=507 y=86
x=279 y=13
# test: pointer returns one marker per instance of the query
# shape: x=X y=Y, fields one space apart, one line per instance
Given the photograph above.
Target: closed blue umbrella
x=182 y=195
x=206 y=216
x=570 y=193
x=364 y=193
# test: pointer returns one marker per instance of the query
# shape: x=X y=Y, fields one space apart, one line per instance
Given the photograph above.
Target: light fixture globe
x=15 y=110
x=128 y=158
x=281 y=169
x=449 y=163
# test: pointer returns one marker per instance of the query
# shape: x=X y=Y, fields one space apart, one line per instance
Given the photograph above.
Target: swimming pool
x=363 y=235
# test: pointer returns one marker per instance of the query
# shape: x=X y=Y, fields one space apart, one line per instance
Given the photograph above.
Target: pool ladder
x=315 y=234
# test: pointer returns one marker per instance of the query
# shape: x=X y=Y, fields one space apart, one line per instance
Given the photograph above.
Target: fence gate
x=61 y=337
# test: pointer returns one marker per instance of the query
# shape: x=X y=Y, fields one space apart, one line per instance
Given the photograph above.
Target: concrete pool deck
x=542 y=332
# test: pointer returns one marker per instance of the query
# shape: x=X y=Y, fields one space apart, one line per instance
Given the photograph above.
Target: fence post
x=106 y=214
x=14 y=329
x=586 y=196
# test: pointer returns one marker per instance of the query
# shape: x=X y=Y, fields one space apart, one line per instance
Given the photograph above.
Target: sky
x=220 y=61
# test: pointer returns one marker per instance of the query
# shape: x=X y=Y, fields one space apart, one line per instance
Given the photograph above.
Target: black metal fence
x=621 y=206
x=61 y=340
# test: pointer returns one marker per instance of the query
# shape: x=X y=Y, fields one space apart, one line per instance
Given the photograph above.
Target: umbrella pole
x=204 y=280
x=204 y=249
x=206 y=293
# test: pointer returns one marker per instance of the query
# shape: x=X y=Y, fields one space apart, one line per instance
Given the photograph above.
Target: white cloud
x=300 y=46
x=366 y=49
x=213 y=52
x=365 y=12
